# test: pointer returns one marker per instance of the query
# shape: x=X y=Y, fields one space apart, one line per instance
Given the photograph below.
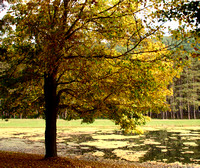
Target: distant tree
x=185 y=99
x=185 y=12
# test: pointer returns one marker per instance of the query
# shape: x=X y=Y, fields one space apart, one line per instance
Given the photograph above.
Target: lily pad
x=164 y=150
x=98 y=153
x=151 y=142
x=189 y=152
x=113 y=137
x=130 y=156
x=194 y=138
x=106 y=144
x=190 y=144
x=162 y=147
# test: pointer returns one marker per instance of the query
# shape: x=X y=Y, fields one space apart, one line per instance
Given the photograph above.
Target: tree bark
x=163 y=115
x=51 y=110
x=194 y=112
x=181 y=110
x=193 y=98
x=188 y=110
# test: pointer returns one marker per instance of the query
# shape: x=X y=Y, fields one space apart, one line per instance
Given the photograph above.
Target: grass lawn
x=171 y=122
x=40 y=123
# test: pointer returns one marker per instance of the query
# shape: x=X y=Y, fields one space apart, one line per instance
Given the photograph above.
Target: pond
x=167 y=146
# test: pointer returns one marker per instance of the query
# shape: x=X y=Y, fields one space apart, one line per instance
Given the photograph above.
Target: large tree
x=93 y=58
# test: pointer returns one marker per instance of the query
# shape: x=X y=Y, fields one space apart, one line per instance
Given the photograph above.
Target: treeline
x=185 y=102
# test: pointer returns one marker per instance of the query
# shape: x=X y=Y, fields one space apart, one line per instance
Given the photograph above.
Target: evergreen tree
x=186 y=90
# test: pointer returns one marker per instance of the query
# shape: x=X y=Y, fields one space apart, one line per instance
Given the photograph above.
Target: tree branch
x=66 y=83
x=68 y=34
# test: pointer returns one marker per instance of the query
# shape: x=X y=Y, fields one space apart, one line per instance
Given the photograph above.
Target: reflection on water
x=162 y=146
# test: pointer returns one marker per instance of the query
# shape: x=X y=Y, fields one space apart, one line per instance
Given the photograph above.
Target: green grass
x=40 y=123
x=31 y=123
x=77 y=123
x=171 y=122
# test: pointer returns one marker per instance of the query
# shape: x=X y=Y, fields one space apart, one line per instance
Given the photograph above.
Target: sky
x=3 y=9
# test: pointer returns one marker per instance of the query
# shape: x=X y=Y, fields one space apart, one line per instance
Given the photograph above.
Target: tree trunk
x=171 y=114
x=51 y=110
x=193 y=98
x=177 y=115
x=188 y=110
x=173 y=106
x=163 y=115
x=181 y=108
x=20 y=115
x=150 y=113
x=64 y=114
x=181 y=112
x=188 y=96
x=194 y=111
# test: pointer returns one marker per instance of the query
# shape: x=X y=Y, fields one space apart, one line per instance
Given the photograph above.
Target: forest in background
x=185 y=102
